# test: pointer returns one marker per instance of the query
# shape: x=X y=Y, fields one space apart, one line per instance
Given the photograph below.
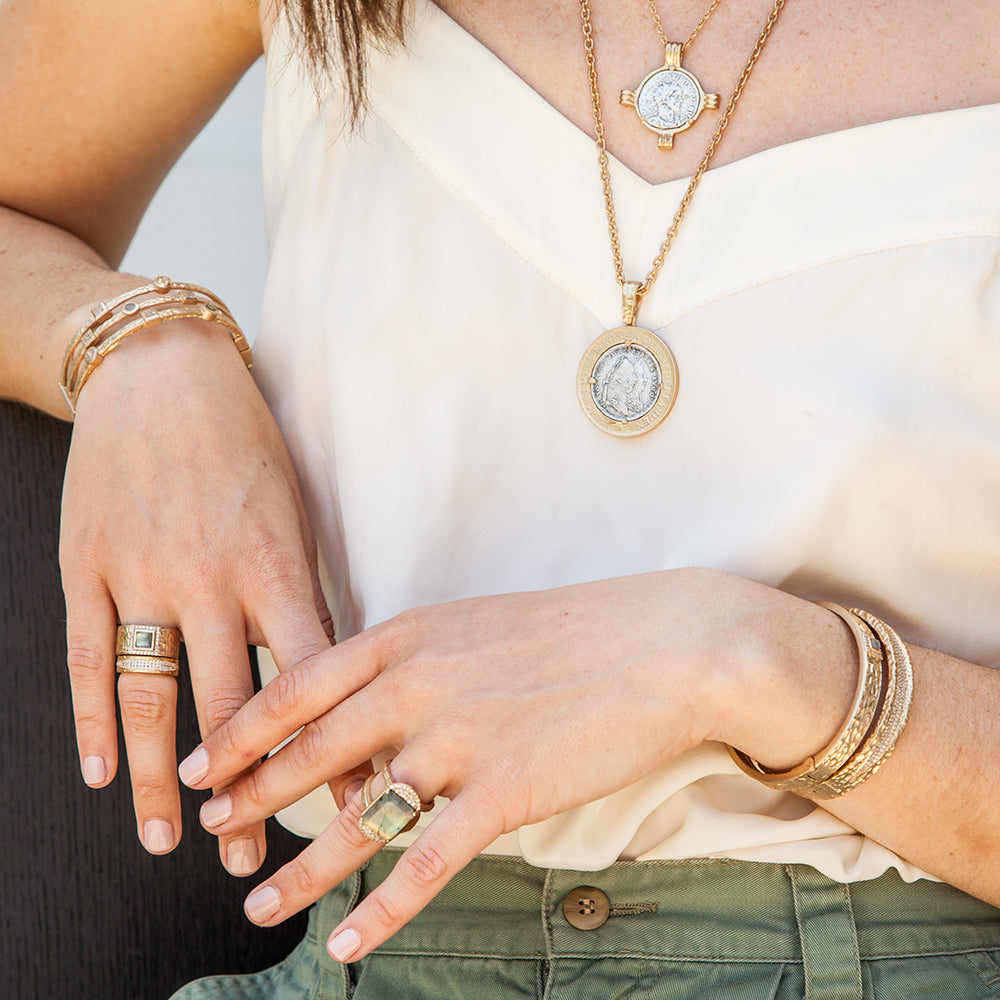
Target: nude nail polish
x=217 y=810
x=157 y=836
x=95 y=771
x=194 y=767
x=344 y=945
x=262 y=904
x=242 y=857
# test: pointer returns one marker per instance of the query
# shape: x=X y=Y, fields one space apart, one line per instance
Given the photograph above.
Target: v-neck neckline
x=533 y=174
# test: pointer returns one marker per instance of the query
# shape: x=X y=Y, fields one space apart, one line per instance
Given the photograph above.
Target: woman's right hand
x=180 y=508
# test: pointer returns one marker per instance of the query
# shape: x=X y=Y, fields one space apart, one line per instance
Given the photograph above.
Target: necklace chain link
x=602 y=149
x=701 y=24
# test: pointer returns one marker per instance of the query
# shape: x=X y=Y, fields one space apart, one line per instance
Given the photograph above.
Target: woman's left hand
x=514 y=708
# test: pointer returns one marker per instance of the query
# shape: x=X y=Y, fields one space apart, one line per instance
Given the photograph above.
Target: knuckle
x=230 y=742
x=303 y=880
x=421 y=866
x=308 y=749
x=276 y=568
x=251 y=791
x=87 y=664
x=385 y=913
x=282 y=696
x=143 y=708
x=92 y=718
x=219 y=708
x=150 y=788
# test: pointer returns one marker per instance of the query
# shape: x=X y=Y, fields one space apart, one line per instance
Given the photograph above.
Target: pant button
x=586 y=908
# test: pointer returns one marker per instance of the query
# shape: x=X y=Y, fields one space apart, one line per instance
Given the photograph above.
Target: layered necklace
x=627 y=379
x=670 y=98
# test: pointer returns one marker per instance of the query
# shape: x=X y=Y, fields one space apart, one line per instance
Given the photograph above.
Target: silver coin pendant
x=627 y=381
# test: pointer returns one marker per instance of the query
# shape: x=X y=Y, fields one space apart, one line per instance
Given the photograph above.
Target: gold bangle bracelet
x=808 y=777
x=103 y=310
x=92 y=338
x=893 y=716
x=111 y=323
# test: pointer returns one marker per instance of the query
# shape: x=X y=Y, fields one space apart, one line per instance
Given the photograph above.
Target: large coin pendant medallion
x=669 y=100
x=627 y=381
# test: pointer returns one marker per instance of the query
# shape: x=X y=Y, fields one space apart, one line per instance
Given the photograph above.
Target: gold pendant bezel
x=627 y=336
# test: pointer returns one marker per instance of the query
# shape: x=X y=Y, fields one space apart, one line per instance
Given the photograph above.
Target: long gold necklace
x=670 y=98
x=627 y=379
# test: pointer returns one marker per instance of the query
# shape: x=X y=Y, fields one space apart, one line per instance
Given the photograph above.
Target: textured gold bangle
x=112 y=322
x=808 y=777
x=892 y=718
x=104 y=310
x=93 y=339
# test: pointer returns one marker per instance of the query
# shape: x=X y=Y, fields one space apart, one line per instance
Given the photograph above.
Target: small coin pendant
x=627 y=381
x=670 y=99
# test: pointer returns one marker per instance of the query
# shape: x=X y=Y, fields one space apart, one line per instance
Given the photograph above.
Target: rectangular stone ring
x=395 y=810
x=148 y=640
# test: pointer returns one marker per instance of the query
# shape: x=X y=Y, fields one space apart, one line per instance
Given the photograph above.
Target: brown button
x=586 y=908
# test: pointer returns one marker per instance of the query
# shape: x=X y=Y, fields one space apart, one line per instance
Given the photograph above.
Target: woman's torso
x=833 y=304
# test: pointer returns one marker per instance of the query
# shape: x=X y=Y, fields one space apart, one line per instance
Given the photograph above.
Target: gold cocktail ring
x=392 y=812
x=148 y=640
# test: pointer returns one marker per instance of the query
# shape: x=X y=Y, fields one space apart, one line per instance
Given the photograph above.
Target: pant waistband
x=712 y=910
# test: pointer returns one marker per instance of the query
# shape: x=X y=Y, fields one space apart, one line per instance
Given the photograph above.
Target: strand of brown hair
x=333 y=36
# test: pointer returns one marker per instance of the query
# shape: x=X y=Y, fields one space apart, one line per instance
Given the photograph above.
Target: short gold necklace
x=627 y=379
x=670 y=98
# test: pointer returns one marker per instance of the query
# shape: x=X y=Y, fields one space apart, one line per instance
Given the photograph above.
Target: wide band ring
x=392 y=812
x=148 y=640
x=168 y=666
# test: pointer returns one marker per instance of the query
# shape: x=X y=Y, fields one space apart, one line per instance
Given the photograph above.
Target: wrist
x=110 y=326
x=793 y=685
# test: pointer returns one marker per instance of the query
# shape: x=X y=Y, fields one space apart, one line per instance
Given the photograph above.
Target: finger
x=460 y=832
x=291 y=626
x=91 y=623
x=282 y=596
x=345 y=786
x=340 y=850
x=149 y=714
x=222 y=683
x=291 y=700
x=318 y=754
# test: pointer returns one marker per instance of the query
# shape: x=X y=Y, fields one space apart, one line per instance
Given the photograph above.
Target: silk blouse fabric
x=834 y=308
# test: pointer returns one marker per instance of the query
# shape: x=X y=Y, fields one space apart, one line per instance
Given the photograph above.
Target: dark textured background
x=85 y=912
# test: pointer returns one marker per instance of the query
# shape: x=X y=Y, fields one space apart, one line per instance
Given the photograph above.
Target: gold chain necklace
x=670 y=99
x=627 y=379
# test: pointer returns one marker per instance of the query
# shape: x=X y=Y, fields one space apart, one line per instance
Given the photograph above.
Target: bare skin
x=90 y=130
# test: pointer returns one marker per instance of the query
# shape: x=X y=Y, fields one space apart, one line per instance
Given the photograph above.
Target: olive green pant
x=687 y=930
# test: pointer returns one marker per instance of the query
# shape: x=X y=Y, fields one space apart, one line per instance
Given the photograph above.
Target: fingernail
x=217 y=810
x=262 y=904
x=242 y=857
x=345 y=944
x=194 y=767
x=158 y=836
x=95 y=771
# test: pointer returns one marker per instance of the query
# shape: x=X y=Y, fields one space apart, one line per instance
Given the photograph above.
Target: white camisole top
x=834 y=308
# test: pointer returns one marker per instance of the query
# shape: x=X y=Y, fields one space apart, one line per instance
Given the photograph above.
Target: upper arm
x=98 y=98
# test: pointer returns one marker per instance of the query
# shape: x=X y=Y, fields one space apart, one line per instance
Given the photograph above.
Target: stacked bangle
x=872 y=728
x=112 y=322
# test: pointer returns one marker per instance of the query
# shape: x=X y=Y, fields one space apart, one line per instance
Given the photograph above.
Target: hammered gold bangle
x=878 y=739
x=808 y=777
x=111 y=323
x=895 y=710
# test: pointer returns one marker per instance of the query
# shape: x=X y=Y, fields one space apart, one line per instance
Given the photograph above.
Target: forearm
x=932 y=802
x=929 y=802
x=48 y=278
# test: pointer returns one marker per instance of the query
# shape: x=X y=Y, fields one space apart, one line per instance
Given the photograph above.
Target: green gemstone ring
x=394 y=811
